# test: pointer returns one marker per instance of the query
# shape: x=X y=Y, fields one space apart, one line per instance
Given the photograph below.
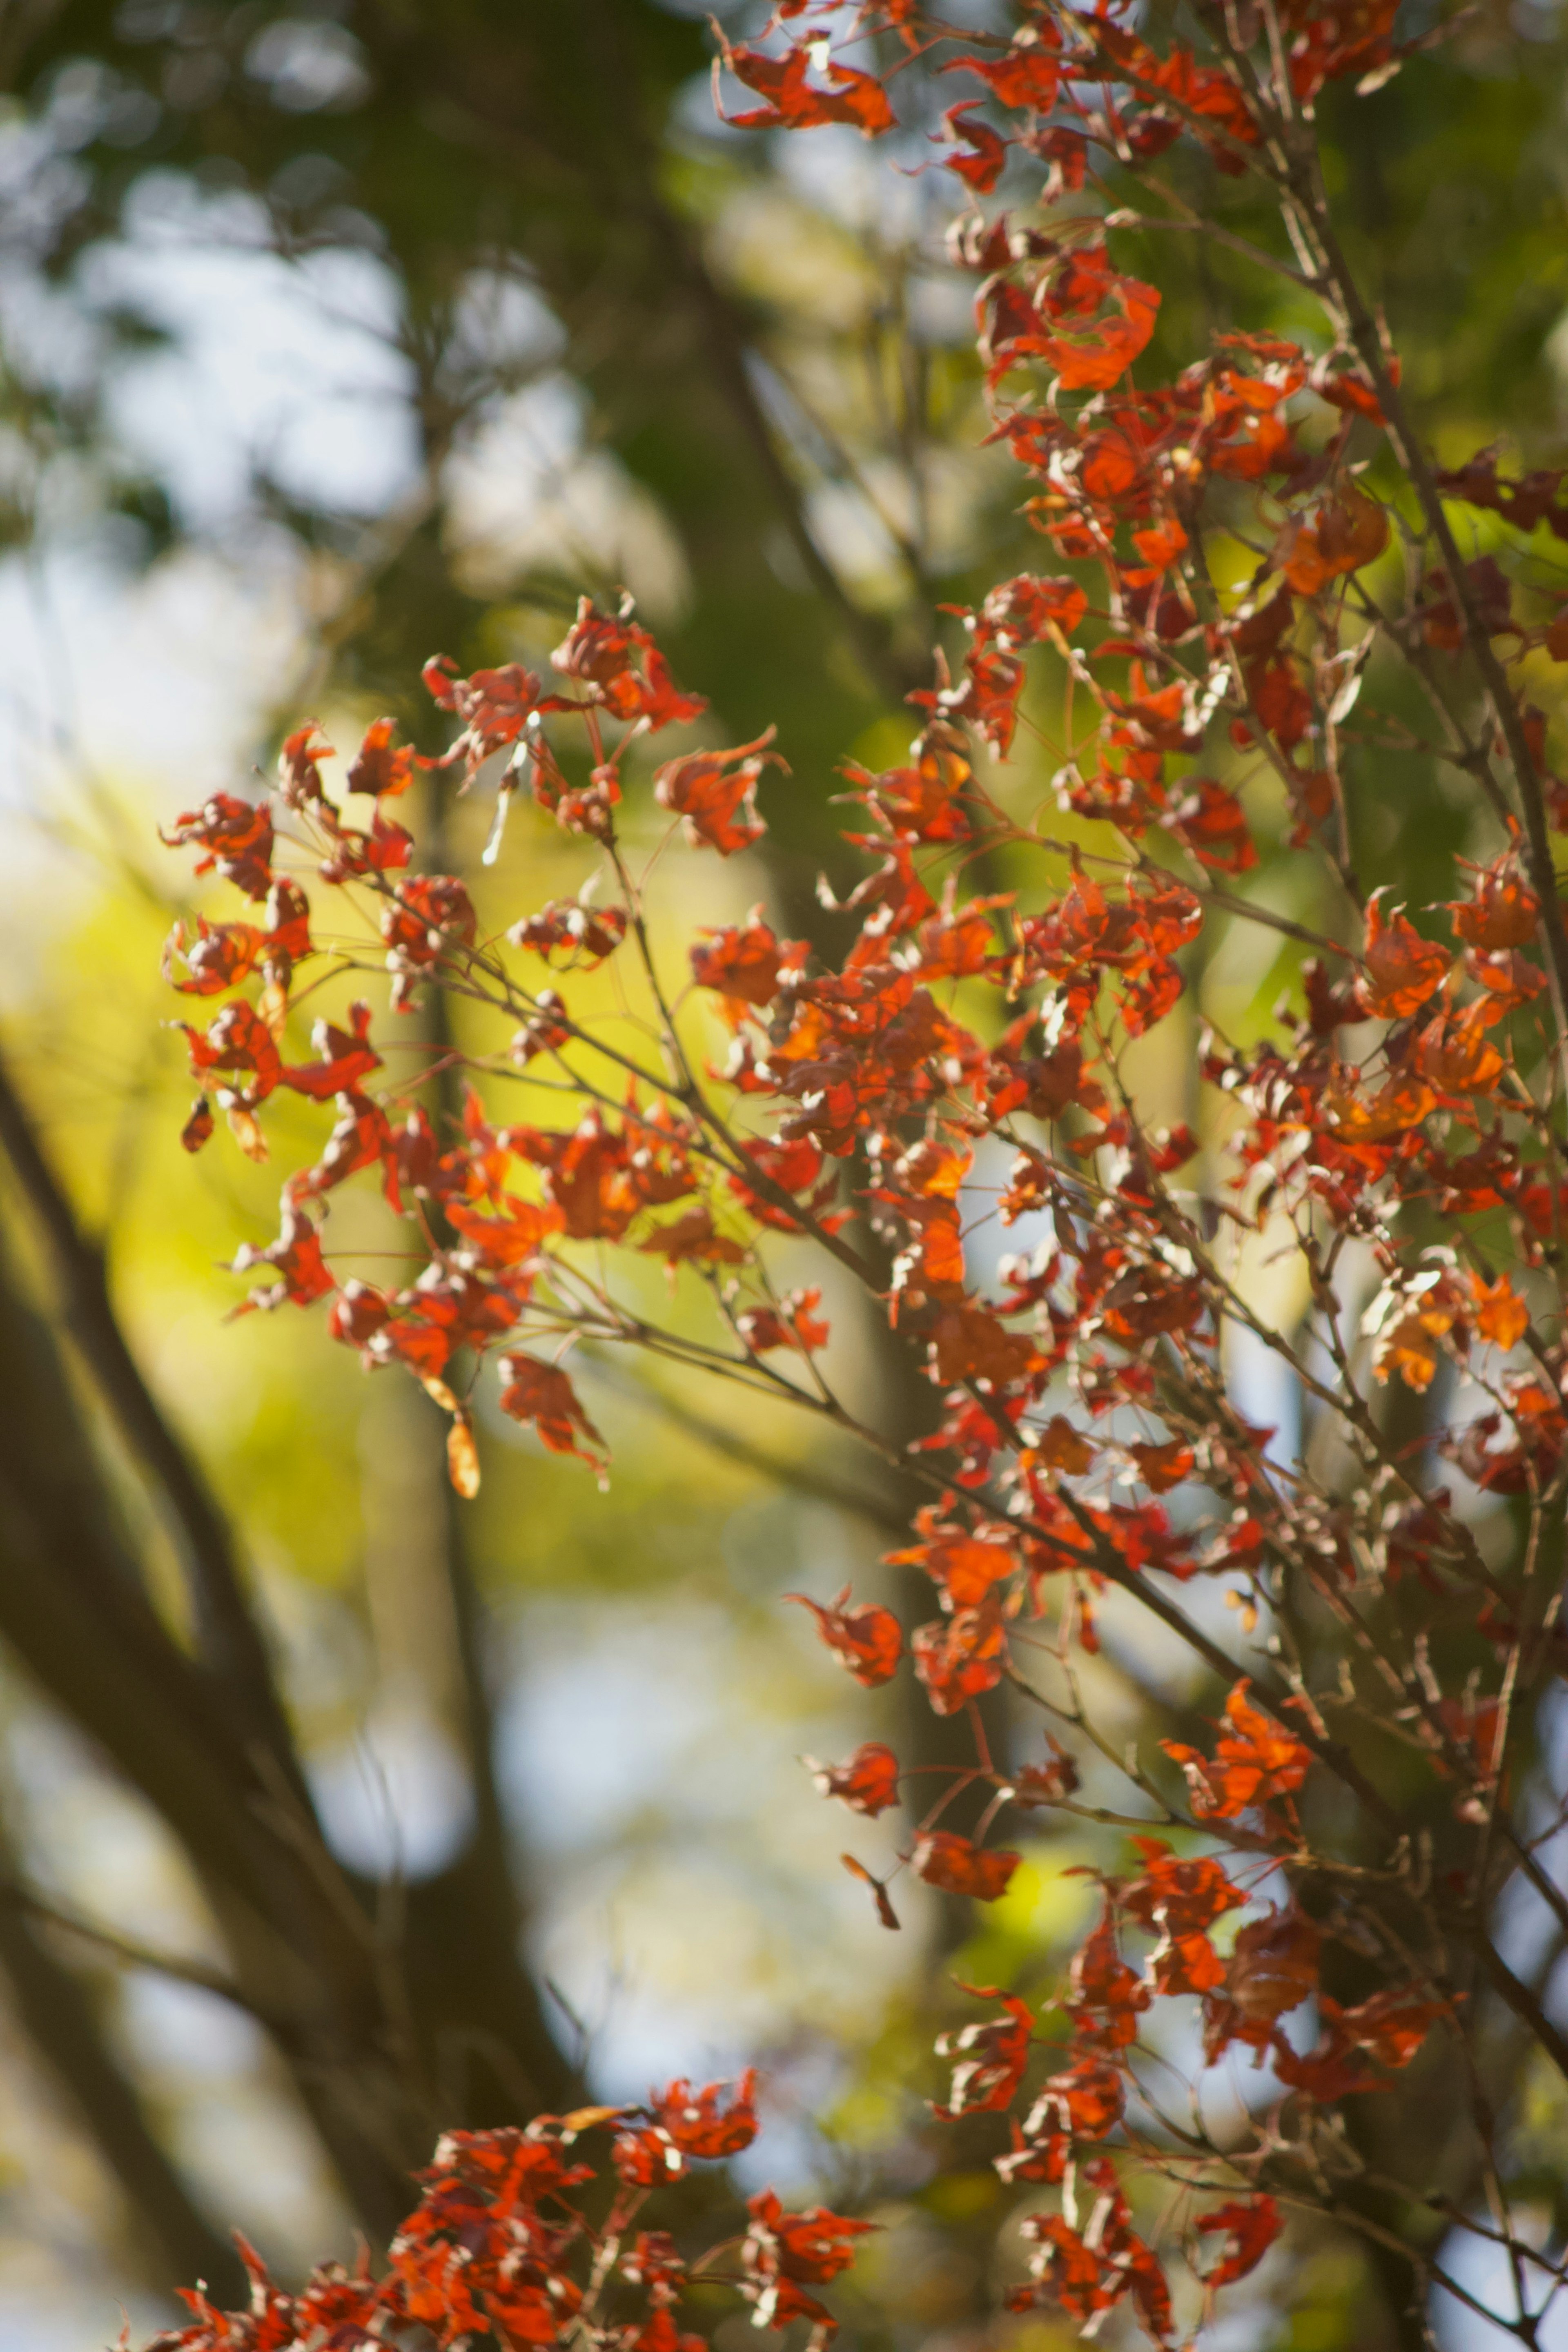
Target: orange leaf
x=1501 y=1315
x=1501 y=912
x=969 y=1343
x=959 y=1657
x=966 y=1567
x=868 y=1783
x=542 y=1394
x=944 y=1859
x=869 y=1640
x=1111 y=346
x=714 y=794
x=1161 y=1468
x=693 y=1238
x=1245 y=2233
x=463 y=1458
x=1060 y=1446
x=1401 y=970
x=885 y=1911
x=1254 y=1761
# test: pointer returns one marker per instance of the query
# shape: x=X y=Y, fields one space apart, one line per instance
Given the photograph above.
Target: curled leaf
x=463 y=1458
x=885 y=1911
x=867 y=1638
x=957 y=1866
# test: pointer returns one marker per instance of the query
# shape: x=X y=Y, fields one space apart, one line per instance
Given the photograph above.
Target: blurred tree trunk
x=365 y=2006
x=171 y=2241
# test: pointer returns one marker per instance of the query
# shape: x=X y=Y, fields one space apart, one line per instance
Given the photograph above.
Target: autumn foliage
x=504 y=2244
x=966 y=1058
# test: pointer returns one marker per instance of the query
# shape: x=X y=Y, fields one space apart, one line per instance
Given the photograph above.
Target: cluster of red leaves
x=504 y=2248
x=1255 y=1763
x=485 y=1243
x=866 y=1088
x=1073 y=2125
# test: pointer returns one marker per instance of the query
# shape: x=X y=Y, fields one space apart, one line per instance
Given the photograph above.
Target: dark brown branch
x=74 y=1609
x=1307 y=186
x=1519 y=1997
x=127 y=1951
x=178 y=2244
x=227 y=1636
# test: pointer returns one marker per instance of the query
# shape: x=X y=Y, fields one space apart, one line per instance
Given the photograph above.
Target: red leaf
x=197 y=1130
x=961 y=1657
x=1025 y=75
x=298 y=774
x=1021 y=610
x=589 y=1178
x=1106 y=1996
x=1501 y=912
x=1047 y=1783
x=302 y=1274
x=699 y=2125
x=944 y=1859
x=347 y=1058
x=510 y=1240
x=1178 y=1895
x=1273 y=1970
x=744 y=966
x=238 y=1042
x=360 y=1137
x=868 y=1639
x=984 y=153
x=868 y=1783
x=795 y=1166
x=693 y=1239
x=239 y=835
x=1401 y=970
x=1088 y=2275
x=714 y=794
x=542 y=1394
x=378 y=766
x=571 y=933
x=968 y=1343
x=1253 y=1762
x=992 y=2056
x=794 y=1324
x=885 y=1911
x=966 y=1568
x=358 y=1313
x=1245 y=2233
x=1060 y=1446
x=1212 y=824
x=1184 y=1964
x=495 y=706
x=1384 y=2031
x=782 y=2253
x=220 y=956
x=794 y=105
x=384 y=849
x=1085 y=2103
x=425 y=917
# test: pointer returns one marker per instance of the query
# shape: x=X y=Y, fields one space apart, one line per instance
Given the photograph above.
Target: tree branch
x=1307 y=185
x=227 y=1636
x=178 y=2242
